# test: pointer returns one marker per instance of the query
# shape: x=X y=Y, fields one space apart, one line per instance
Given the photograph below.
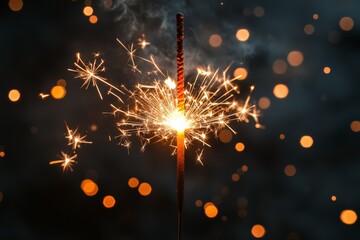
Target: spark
x=44 y=95
x=142 y=42
x=90 y=73
x=75 y=138
x=66 y=161
x=151 y=112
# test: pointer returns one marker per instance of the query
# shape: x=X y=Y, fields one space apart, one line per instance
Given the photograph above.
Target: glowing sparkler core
x=178 y=122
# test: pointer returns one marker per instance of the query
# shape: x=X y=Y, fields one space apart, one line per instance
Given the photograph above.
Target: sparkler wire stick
x=181 y=110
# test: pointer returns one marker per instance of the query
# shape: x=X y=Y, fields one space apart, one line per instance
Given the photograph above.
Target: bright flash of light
x=66 y=161
x=74 y=138
x=151 y=112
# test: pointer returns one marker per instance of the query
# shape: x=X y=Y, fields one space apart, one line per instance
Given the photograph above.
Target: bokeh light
x=264 y=103
x=309 y=29
x=315 y=16
x=235 y=177
x=14 y=95
x=58 y=92
x=244 y=168
x=290 y=170
x=93 y=19
x=241 y=73
x=109 y=201
x=16 y=5
x=133 y=182
x=346 y=23
x=259 y=11
x=215 y=40
x=198 y=203
x=327 y=70
x=282 y=136
x=211 y=211
x=61 y=82
x=89 y=187
x=242 y=35
x=355 y=126
x=279 y=66
x=281 y=91
x=348 y=216
x=225 y=135
x=258 y=231
x=295 y=58
x=240 y=146
x=306 y=141
x=333 y=198
x=88 y=11
x=2 y=154
x=145 y=189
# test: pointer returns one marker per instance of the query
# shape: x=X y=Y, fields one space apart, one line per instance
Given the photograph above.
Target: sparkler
x=181 y=110
x=169 y=111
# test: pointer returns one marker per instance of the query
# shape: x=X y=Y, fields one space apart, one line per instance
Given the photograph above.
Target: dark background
x=39 y=201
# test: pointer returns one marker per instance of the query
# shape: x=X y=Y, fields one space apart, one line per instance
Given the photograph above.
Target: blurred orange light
x=235 y=177
x=14 y=95
x=89 y=187
x=93 y=19
x=240 y=73
x=215 y=40
x=264 y=103
x=259 y=12
x=290 y=170
x=198 y=203
x=355 y=126
x=279 y=66
x=306 y=141
x=109 y=201
x=309 y=29
x=61 y=82
x=225 y=135
x=281 y=91
x=88 y=11
x=346 y=23
x=258 y=231
x=16 y=5
x=333 y=198
x=145 y=189
x=240 y=147
x=327 y=70
x=133 y=182
x=295 y=58
x=244 y=168
x=316 y=16
x=58 y=92
x=211 y=210
x=282 y=136
x=243 y=34
x=2 y=154
x=348 y=216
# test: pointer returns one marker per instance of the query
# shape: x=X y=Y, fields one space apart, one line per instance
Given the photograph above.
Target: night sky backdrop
x=275 y=183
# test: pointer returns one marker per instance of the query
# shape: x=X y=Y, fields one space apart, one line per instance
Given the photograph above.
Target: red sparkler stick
x=181 y=109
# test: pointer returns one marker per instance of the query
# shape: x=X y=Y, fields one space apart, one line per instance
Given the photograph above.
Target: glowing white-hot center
x=177 y=121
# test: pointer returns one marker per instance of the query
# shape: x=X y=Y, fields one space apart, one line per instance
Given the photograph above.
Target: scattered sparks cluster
x=151 y=113
x=75 y=139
